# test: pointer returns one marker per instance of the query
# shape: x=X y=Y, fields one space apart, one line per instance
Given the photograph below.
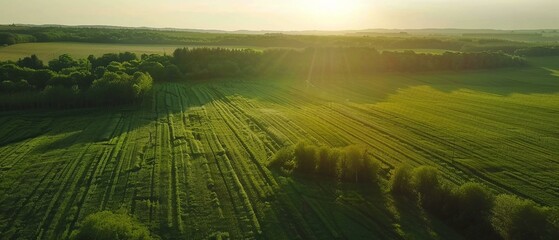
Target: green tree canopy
x=111 y=226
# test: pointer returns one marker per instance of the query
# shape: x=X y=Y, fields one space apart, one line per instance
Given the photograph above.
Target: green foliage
x=467 y=208
x=539 y=51
x=515 y=218
x=200 y=63
x=328 y=161
x=114 y=88
x=426 y=182
x=31 y=62
x=62 y=62
x=283 y=160
x=215 y=62
x=7 y=38
x=111 y=226
x=357 y=166
x=14 y=86
x=73 y=83
x=155 y=69
x=475 y=201
x=350 y=164
x=401 y=182
x=470 y=210
x=305 y=158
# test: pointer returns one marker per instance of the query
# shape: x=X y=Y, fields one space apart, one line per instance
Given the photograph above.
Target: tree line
x=67 y=82
x=540 y=51
x=220 y=62
x=473 y=209
x=352 y=164
x=116 y=78
x=20 y=34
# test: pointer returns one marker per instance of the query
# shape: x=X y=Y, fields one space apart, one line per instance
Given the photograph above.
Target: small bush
x=428 y=187
x=401 y=182
x=328 y=160
x=357 y=166
x=305 y=158
x=515 y=218
x=283 y=159
x=471 y=210
x=111 y=226
x=425 y=180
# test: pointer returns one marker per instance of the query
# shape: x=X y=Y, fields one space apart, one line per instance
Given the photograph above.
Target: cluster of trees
x=7 y=38
x=68 y=82
x=473 y=209
x=350 y=164
x=109 y=225
x=216 y=62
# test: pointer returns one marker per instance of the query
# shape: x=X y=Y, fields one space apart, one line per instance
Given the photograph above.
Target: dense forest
x=206 y=63
x=123 y=78
x=67 y=82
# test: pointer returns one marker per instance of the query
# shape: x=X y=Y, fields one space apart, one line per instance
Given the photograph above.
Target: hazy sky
x=287 y=14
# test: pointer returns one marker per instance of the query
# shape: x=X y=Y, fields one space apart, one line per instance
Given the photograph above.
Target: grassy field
x=48 y=51
x=191 y=161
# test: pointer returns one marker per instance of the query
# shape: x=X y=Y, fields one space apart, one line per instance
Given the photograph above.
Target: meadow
x=191 y=160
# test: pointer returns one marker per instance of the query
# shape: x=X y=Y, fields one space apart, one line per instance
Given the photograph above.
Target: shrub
x=425 y=180
x=305 y=157
x=515 y=218
x=107 y=226
x=328 y=160
x=283 y=159
x=401 y=182
x=368 y=171
x=352 y=161
x=427 y=186
x=475 y=202
x=472 y=210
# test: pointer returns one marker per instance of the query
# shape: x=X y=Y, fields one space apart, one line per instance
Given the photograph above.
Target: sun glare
x=331 y=10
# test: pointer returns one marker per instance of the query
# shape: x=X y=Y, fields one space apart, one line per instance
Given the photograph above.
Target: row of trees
x=17 y=34
x=28 y=81
x=349 y=164
x=68 y=82
x=7 y=38
x=538 y=51
x=472 y=209
x=218 y=62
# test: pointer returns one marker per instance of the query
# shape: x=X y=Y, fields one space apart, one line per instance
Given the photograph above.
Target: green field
x=48 y=51
x=191 y=161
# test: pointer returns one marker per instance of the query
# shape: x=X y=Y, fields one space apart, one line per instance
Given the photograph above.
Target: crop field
x=48 y=51
x=191 y=161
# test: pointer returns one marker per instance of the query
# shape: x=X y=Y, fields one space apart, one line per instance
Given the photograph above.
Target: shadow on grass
x=324 y=209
